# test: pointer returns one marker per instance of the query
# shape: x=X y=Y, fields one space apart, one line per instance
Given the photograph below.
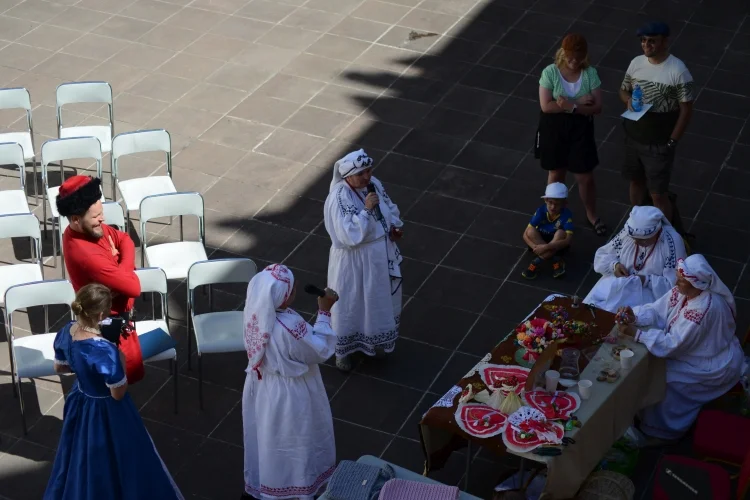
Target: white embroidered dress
x=364 y=267
x=657 y=263
x=703 y=356
x=290 y=450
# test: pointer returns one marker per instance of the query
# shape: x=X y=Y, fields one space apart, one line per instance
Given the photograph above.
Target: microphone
x=314 y=290
x=378 y=213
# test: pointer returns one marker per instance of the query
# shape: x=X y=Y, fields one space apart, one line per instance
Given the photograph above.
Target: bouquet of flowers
x=535 y=335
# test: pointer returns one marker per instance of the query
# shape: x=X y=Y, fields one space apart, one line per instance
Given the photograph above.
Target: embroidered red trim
x=255 y=341
x=292 y=490
x=673 y=299
x=325 y=313
x=299 y=330
x=697 y=315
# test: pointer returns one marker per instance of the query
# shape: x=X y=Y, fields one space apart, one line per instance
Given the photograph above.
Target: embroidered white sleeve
x=118 y=384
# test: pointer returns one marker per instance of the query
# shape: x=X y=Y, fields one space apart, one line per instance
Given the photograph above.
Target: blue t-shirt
x=542 y=222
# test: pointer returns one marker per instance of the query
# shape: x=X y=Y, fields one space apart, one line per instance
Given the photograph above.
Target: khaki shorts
x=649 y=163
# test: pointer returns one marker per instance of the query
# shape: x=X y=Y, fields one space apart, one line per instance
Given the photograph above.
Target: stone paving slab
x=262 y=96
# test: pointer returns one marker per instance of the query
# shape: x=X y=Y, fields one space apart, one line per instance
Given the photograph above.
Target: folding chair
x=175 y=258
x=153 y=280
x=134 y=190
x=21 y=226
x=58 y=150
x=113 y=216
x=33 y=356
x=13 y=201
x=221 y=331
x=86 y=92
x=18 y=98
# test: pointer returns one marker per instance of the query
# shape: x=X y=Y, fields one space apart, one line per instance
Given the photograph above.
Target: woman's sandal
x=599 y=227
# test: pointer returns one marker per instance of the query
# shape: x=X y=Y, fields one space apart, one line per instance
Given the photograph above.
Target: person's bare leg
x=559 y=236
x=556 y=176
x=637 y=192
x=532 y=237
x=663 y=203
x=587 y=191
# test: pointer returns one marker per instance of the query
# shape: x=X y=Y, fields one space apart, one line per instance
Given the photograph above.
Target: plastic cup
x=626 y=359
x=551 y=377
x=584 y=388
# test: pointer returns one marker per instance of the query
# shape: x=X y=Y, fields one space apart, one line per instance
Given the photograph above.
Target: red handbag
x=131 y=347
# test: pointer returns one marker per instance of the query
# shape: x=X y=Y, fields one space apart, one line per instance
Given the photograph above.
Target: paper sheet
x=632 y=115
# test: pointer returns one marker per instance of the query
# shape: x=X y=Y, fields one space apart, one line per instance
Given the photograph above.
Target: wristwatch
x=671 y=143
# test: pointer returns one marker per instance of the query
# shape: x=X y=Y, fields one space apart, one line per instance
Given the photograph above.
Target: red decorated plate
x=566 y=402
x=480 y=420
x=495 y=375
x=514 y=443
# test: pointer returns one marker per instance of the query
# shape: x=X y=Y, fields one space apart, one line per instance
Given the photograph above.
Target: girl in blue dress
x=105 y=450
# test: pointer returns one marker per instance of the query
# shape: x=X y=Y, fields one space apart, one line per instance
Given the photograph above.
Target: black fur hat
x=77 y=194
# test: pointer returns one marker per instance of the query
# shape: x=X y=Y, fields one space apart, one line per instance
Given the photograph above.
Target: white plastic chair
x=13 y=201
x=113 y=216
x=153 y=280
x=134 y=190
x=86 y=92
x=58 y=150
x=21 y=226
x=33 y=356
x=19 y=98
x=175 y=258
x=221 y=331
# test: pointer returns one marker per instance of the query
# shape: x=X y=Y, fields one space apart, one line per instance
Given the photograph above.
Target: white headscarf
x=351 y=164
x=699 y=273
x=267 y=291
x=645 y=222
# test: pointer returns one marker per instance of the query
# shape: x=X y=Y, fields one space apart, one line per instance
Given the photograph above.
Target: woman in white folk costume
x=288 y=428
x=364 y=260
x=693 y=327
x=639 y=264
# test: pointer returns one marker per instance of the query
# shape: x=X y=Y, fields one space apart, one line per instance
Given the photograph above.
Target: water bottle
x=637 y=100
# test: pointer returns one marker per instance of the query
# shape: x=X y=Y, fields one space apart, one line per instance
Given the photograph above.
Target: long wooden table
x=608 y=412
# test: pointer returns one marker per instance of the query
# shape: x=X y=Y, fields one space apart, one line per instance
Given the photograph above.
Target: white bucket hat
x=556 y=190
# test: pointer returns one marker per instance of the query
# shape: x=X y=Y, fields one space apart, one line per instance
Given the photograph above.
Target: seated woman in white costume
x=639 y=264
x=286 y=419
x=364 y=225
x=693 y=327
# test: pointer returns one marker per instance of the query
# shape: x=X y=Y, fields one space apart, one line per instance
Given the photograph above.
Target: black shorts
x=566 y=141
x=649 y=163
x=548 y=238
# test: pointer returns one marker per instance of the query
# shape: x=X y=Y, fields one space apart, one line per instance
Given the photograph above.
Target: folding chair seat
x=20 y=226
x=13 y=201
x=19 y=98
x=216 y=331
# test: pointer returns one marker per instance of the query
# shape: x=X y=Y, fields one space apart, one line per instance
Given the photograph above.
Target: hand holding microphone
x=326 y=298
x=372 y=201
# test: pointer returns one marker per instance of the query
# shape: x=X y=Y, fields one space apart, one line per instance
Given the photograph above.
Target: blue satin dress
x=105 y=451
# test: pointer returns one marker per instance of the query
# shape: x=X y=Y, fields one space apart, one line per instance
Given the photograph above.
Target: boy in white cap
x=550 y=231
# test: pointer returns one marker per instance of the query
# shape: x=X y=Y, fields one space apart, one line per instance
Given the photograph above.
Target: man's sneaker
x=530 y=272
x=558 y=268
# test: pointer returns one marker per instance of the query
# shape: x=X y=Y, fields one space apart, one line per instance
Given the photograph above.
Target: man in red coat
x=98 y=253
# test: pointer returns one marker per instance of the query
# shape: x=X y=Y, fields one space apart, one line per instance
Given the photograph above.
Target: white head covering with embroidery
x=645 y=222
x=701 y=275
x=351 y=164
x=267 y=291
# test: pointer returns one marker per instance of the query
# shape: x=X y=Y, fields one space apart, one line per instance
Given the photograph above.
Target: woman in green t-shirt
x=570 y=96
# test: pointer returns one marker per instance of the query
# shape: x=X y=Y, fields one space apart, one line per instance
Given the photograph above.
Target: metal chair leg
x=20 y=402
x=176 y=369
x=36 y=189
x=54 y=243
x=200 y=381
x=188 y=314
x=44 y=213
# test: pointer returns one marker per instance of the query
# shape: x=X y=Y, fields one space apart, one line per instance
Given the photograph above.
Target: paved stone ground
x=261 y=97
